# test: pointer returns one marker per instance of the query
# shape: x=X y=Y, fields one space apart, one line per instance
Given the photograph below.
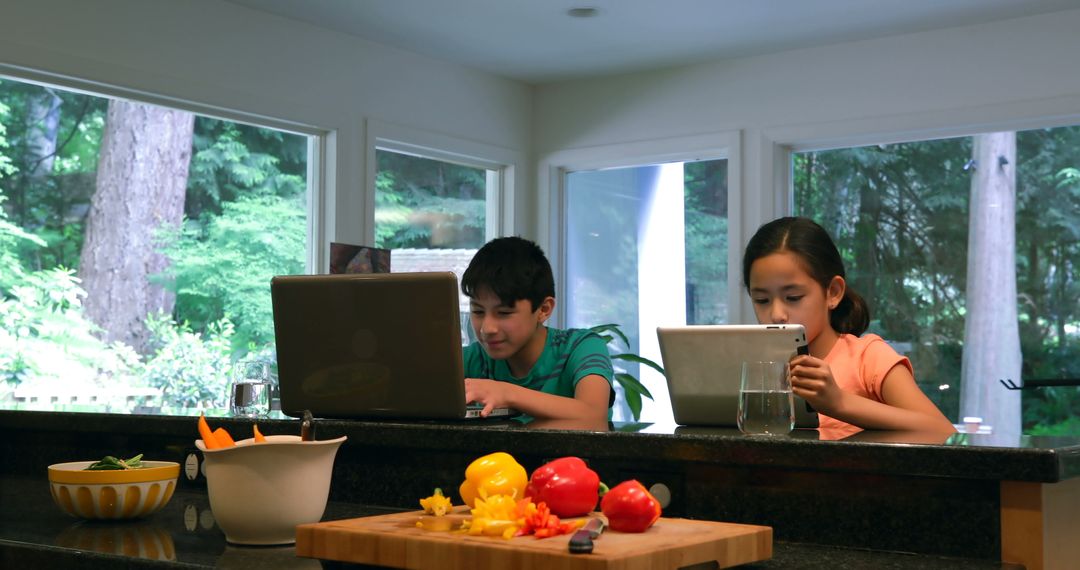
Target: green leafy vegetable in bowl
x=110 y=463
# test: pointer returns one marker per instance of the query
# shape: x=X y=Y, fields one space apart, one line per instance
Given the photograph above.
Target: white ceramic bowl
x=260 y=492
x=120 y=494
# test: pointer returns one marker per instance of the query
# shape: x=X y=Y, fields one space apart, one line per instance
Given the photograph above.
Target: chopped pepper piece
x=538 y=521
x=436 y=504
x=493 y=515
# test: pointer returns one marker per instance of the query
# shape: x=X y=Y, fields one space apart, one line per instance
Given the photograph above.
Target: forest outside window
x=967 y=250
x=432 y=214
x=137 y=244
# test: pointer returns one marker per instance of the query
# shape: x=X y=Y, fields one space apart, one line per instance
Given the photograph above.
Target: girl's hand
x=812 y=380
x=491 y=393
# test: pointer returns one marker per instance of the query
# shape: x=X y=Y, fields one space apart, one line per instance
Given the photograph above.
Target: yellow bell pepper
x=496 y=474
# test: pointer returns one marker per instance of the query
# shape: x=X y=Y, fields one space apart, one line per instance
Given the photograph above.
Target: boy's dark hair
x=820 y=258
x=513 y=268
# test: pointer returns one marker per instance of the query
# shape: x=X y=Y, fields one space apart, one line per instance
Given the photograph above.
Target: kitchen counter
x=864 y=496
x=34 y=533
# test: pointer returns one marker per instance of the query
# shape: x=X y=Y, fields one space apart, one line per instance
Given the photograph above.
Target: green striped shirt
x=568 y=356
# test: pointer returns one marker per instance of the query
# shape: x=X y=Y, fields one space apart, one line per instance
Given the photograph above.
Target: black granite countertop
x=35 y=533
x=933 y=494
x=1042 y=459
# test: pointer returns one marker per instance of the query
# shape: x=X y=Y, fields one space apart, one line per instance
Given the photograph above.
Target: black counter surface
x=34 y=533
x=866 y=496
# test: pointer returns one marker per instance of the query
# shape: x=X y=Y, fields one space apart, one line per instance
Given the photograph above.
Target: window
x=967 y=251
x=136 y=247
x=647 y=246
x=432 y=215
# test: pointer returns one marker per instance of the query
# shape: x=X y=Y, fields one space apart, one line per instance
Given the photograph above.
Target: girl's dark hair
x=514 y=268
x=820 y=258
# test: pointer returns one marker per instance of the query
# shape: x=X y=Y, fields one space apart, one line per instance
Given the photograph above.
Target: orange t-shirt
x=859 y=365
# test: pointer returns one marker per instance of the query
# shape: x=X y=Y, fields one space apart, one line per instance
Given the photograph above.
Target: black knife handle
x=581 y=543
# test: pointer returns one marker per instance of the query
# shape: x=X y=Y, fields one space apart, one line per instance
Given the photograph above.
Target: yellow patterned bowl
x=113 y=495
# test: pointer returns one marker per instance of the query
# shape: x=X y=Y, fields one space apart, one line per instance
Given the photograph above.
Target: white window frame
x=554 y=168
x=502 y=165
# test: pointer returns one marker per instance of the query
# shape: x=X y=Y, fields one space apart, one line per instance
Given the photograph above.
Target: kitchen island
x=965 y=501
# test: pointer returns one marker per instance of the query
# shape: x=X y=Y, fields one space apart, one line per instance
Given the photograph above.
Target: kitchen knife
x=581 y=542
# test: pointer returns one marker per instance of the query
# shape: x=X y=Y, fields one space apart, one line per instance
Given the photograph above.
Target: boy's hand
x=491 y=393
x=812 y=380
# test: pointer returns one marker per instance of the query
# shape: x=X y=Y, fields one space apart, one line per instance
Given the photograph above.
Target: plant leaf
x=631 y=384
x=613 y=328
x=633 y=400
x=639 y=360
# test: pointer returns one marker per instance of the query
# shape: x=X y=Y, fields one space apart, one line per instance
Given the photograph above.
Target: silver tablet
x=703 y=364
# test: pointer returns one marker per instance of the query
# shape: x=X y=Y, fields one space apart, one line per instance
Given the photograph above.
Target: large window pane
x=137 y=244
x=431 y=215
x=647 y=246
x=901 y=216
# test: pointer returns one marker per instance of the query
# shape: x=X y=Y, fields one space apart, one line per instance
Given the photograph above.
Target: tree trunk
x=141 y=182
x=991 y=330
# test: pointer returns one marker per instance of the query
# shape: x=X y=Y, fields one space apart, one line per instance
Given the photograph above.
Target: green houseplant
x=633 y=389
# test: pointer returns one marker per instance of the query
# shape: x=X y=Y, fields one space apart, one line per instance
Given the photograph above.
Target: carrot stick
x=223 y=437
x=259 y=437
x=208 y=438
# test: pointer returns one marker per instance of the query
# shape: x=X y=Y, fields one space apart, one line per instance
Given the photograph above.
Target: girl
x=794 y=274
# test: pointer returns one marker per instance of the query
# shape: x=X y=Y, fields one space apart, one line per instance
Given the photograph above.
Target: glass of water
x=249 y=395
x=766 y=405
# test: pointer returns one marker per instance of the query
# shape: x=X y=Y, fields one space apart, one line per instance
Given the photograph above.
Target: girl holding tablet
x=794 y=274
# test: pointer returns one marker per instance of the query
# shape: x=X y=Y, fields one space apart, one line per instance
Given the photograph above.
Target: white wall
x=229 y=58
x=1017 y=73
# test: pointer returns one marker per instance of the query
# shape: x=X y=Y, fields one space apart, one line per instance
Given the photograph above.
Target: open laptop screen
x=369 y=345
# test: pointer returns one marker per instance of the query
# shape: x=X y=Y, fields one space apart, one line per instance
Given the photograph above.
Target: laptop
x=703 y=364
x=371 y=346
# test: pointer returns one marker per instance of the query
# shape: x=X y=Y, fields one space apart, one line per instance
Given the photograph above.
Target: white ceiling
x=537 y=42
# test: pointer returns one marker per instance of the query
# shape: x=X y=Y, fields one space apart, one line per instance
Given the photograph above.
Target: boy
x=518 y=362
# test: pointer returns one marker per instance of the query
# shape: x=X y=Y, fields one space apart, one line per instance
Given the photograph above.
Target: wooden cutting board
x=395 y=541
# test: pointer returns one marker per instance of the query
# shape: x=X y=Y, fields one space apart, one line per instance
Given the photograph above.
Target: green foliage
x=421 y=203
x=633 y=389
x=232 y=161
x=1068 y=426
x=222 y=268
x=705 y=219
x=44 y=336
x=193 y=370
x=247 y=221
x=6 y=167
x=51 y=204
x=899 y=215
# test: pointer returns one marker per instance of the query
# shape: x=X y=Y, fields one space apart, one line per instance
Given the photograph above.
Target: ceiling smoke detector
x=582 y=12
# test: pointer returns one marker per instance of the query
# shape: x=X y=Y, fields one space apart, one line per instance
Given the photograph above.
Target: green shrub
x=192 y=370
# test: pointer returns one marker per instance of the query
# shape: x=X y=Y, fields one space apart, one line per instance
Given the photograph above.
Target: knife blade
x=581 y=542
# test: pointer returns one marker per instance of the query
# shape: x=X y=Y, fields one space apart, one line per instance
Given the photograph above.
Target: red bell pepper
x=629 y=507
x=567 y=485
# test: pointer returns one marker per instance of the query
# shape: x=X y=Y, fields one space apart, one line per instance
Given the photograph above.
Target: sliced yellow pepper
x=495 y=474
x=494 y=515
x=436 y=504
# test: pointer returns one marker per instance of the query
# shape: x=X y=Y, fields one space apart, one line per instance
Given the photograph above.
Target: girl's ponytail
x=851 y=315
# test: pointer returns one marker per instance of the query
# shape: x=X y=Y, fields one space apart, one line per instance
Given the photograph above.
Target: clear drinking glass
x=766 y=405
x=249 y=395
